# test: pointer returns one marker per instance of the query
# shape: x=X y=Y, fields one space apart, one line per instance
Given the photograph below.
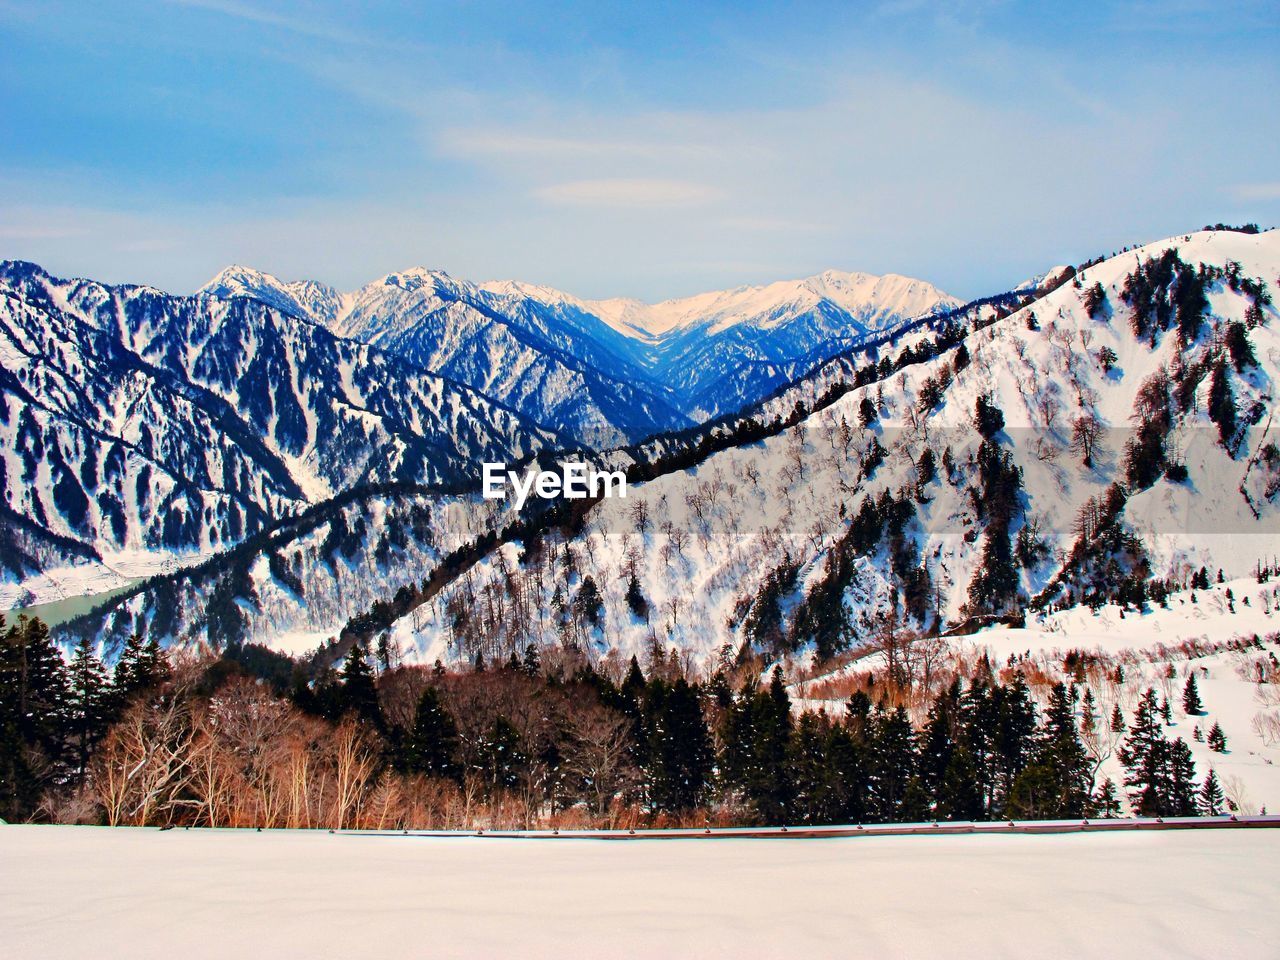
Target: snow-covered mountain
x=137 y=421
x=144 y=426
x=611 y=371
x=814 y=535
x=1006 y=459
x=553 y=361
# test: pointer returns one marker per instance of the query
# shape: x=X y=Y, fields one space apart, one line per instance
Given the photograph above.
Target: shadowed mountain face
x=606 y=372
x=1088 y=441
x=133 y=420
x=136 y=421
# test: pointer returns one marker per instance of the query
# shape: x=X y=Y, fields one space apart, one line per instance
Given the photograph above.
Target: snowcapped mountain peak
x=533 y=291
x=864 y=296
x=537 y=347
x=307 y=299
x=238 y=276
x=417 y=278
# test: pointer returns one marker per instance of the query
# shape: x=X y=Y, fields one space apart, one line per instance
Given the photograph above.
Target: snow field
x=140 y=894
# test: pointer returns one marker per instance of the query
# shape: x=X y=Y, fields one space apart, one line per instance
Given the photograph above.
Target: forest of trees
x=549 y=739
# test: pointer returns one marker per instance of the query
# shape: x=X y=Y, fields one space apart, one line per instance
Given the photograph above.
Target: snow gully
x=575 y=481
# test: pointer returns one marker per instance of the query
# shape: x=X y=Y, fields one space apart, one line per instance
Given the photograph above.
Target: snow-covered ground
x=117 y=570
x=1194 y=634
x=711 y=535
x=137 y=894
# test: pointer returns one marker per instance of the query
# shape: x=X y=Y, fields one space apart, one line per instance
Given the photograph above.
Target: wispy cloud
x=628 y=193
x=307 y=27
x=39 y=231
x=965 y=142
x=774 y=225
x=515 y=144
x=1257 y=191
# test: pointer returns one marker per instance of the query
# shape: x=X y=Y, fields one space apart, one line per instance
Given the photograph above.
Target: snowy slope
x=553 y=361
x=864 y=295
x=1170 y=894
x=734 y=549
x=606 y=371
x=702 y=542
x=138 y=421
x=1226 y=636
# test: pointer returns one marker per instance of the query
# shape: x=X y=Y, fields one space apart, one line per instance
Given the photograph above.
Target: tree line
x=549 y=739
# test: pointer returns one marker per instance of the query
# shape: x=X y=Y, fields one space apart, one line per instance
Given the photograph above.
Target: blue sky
x=647 y=150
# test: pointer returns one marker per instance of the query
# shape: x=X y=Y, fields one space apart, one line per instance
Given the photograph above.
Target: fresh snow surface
x=139 y=894
x=716 y=530
x=117 y=570
x=764 y=305
x=1146 y=645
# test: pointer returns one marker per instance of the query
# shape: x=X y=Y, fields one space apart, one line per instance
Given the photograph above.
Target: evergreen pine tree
x=1062 y=754
x=33 y=695
x=893 y=763
x=768 y=783
x=636 y=600
x=1088 y=714
x=937 y=740
x=588 y=603
x=142 y=669
x=382 y=652
x=867 y=413
x=1182 y=800
x=632 y=688
x=988 y=419
x=846 y=770
x=1211 y=797
x=1222 y=403
x=359 y=695
x=89 y=704
x=1015 y=727
x=1145 y=755
x=432 y=745
x=1217 y=739
x=1106 y=802
x=959 y=797
x=857 y=716
x=499 y=755
x=1117 y=720
x=1094 y=298
x=1191 y=704
x=125 y=677
x=679 y=749
x=818 y=790
x=532 y=660
x=1238 y=345
x=916 y=803
x=1036 y=794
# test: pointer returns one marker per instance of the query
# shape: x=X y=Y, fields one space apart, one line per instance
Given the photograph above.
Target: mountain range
x=1097 y=437
x=140 y=424
x=607 y=371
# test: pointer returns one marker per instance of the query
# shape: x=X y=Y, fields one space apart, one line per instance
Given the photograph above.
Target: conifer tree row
x=546 y=739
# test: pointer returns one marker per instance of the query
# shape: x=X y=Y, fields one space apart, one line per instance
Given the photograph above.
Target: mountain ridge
x=677 y=361
x=781 y=539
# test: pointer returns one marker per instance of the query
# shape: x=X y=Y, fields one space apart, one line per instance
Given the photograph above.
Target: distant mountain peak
x=544 y=350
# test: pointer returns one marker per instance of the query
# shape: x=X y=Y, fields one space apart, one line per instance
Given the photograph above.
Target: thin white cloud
x=36 y=231
x=269 y=18
x=627 y=193
x=1257 y=191
x=773 y=224
x=507 y=143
